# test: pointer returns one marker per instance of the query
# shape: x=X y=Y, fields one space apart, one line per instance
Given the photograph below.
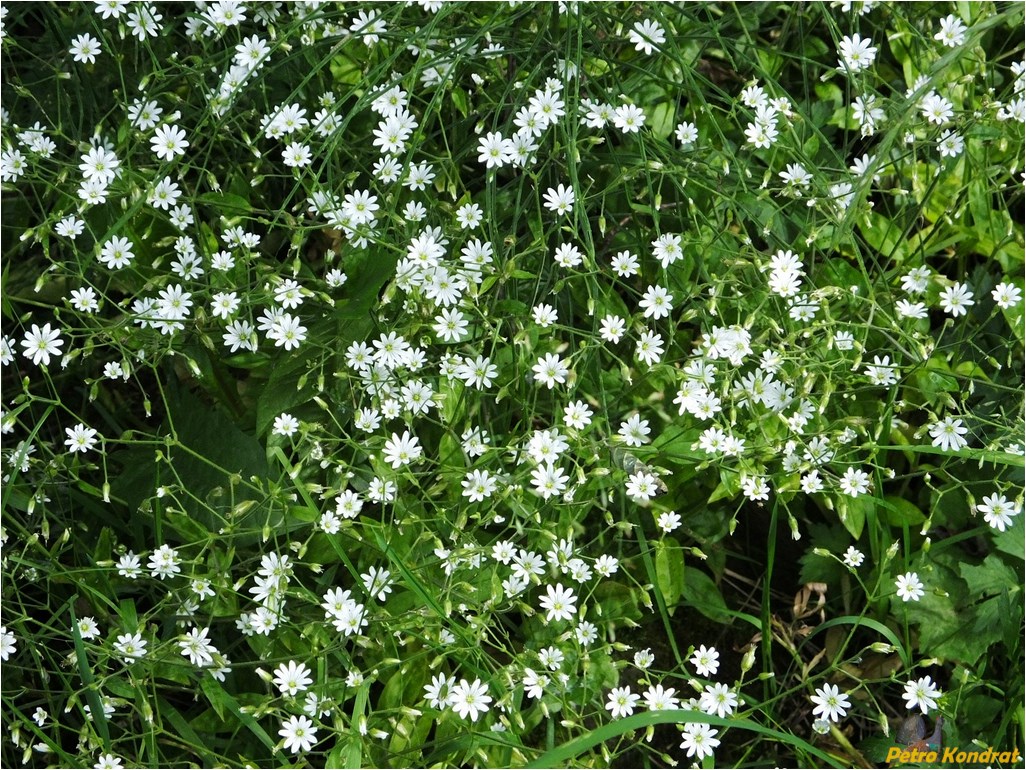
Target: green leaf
x=1010 y=542
x=222 y=701
x=701 y=593
x=899 y=512
x=226 y=203
x=615 y=601
x=184 y=730
x=661 y=120
x=190 y=530
x=282 y=392
x=853 y=511
x=884 y=237
x=459 y=98
x=991 y=577
x=669 y=564
x=562 y=755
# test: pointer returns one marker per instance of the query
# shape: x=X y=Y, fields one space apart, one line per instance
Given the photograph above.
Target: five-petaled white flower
x=402 y=450
x=922 y=694
x=830 y=702
x=909 y=587
x=469 y=699
x=292 y=678
x=559 y=603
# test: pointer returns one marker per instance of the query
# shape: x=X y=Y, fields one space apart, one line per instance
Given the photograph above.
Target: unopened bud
x=748 y=660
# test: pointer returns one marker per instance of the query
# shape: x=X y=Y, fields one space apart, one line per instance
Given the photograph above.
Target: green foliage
x=518 y=385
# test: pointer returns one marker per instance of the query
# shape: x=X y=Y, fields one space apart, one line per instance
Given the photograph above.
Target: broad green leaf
x=899 y=512
x=701 y=593
x=991 y=577
x=852 y=512
x=660 y=120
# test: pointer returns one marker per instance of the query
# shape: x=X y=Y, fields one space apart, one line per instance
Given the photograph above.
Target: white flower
x=706 y=661
x=644 y=658
x=656 y=303
x=478 y=485
x=687 y=134
x=286 y=331
x=296 y=155
x=544 y=315
x=634 y=431
x=560 y=199
x=647 y=36
x=718 y=699
x=85 y=48
x=1006 y=295
x=908 y=309
x=622 y=702
x=649 y=348
x=548 y=480
x=668 y=521
x=197 y=648
x=40 y=344
x=936 y=108
x=99 y=164
x=998 y=511
x=699 y=740
x=8 y=643
x=567 y=255
x=402 y=450
x=642 y=486
x=470 y=699
x=855 y=53
x=952 y=31
x=830 y=702
x=285 y=425
x=534 y=684
x=612 y=328
x=658 y=699
x=559 y=602
x=168 y=142
x=916 y=280
x=299 y=734
x=80 y=438
x=853 y=557
x=628 y=118
x=909 y=587
x=947 y=434
x=477 y=373
x=922 y=694
x=495 y=151
x=130 y=646
x=438 y=690
x=854 y=482
x=107 y=762
x=577 y=415
x=451 y=325
x=667 y=249
x=950 y=144
x=550 y=369
x=625 y=264
x=88 y=628
x=955 y=299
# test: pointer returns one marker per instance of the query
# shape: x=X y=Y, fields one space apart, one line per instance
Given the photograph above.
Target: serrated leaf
x=991 y=577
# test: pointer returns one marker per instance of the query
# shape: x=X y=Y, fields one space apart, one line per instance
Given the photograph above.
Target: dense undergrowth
x=486 y=384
